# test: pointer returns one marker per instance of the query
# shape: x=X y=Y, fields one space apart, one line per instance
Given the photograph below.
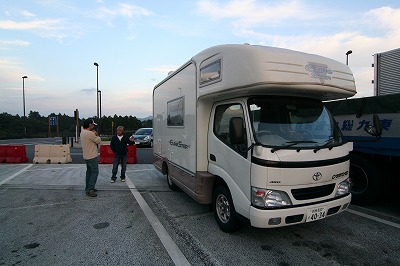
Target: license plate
x=316 y=214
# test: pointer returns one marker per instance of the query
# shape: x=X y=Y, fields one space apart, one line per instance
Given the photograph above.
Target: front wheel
x=224 y=211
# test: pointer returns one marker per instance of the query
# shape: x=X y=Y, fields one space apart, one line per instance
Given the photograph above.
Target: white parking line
x=374 y=218
x=140 y=170
x=58 y=168
x=173 y=250
x=14 y=175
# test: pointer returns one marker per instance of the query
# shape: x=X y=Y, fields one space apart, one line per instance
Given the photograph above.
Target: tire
x=171 y=185
x=366 y=179
x=224 y=210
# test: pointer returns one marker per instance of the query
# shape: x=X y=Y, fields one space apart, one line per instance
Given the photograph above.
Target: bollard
x=64 y=140
x=72 y=142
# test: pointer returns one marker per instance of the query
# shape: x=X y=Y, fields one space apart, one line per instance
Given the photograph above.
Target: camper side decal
x=179 y=144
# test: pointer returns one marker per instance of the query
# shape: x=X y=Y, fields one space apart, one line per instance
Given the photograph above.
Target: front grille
x=312 y=192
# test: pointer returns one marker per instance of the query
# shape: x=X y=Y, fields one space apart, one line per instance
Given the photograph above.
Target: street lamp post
x=97 y=90
x=23 y=100
x=347 y=56
x=100 y=110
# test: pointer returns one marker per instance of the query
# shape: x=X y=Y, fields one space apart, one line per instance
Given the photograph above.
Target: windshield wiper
x=291 y=143
x=253 y=144
x=327 y=143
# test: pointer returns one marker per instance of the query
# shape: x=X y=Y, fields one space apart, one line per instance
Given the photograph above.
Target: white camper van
x=243 y=127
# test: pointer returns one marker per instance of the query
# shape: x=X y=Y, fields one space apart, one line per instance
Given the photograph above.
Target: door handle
x=212 y=157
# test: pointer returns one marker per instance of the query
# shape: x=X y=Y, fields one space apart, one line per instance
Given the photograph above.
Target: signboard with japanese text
x=350 y=125
x=353 y=130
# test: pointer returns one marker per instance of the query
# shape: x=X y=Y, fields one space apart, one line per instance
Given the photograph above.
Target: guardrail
x=52 y=154
x=13 y=154
x=107 y=156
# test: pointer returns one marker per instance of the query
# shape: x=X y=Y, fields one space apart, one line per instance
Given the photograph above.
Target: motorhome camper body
x=243 y=127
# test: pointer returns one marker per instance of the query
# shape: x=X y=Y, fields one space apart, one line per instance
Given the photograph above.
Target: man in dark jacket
x=119 y=146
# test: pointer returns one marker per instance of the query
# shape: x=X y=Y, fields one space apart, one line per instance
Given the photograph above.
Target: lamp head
x=349 y=52
x=96 y=64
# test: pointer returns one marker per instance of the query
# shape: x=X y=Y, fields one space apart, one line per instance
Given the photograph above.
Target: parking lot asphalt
x=46 y=218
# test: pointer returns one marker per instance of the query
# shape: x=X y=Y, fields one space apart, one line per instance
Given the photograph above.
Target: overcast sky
x=136 y=43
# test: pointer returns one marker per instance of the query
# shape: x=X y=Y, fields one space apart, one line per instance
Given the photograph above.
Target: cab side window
x=223 y=115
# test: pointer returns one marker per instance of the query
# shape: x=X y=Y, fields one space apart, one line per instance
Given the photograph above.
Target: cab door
x=228 y=159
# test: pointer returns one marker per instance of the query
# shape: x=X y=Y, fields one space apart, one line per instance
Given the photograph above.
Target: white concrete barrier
x=59 y=154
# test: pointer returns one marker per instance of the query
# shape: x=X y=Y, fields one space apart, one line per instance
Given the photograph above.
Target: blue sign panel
x=53 y=121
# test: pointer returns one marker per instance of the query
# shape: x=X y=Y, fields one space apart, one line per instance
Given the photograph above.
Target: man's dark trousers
x=117 y=159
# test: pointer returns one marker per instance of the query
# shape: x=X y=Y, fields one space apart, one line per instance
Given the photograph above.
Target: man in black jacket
x=119 y=146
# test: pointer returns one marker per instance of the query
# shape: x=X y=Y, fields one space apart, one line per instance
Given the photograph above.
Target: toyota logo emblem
x=317 y=176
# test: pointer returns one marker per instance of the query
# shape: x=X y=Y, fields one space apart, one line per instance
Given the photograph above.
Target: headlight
x=269 y=198
x=343 y=187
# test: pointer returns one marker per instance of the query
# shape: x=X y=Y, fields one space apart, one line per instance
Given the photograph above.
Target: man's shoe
x=122 y=179
x=91 y=193
x=112 y=180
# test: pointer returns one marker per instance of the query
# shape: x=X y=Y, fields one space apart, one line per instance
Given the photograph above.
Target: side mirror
x=376 y=129
x=236 y=130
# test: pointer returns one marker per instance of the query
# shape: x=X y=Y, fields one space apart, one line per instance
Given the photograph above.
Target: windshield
x=143 y=131
x=283 y=122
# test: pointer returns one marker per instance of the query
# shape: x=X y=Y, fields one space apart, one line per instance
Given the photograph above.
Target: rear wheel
x=224 y=211
x=171 y=185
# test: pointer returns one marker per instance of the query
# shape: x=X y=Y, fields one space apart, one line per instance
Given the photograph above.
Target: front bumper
x=142 y=142
x=263 y=218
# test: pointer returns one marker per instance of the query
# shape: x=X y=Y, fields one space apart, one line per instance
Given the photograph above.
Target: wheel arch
x=219 y=182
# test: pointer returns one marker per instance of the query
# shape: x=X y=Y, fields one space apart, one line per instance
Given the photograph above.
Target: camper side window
x=175 y=113
x=223 y=115
x=210 y=73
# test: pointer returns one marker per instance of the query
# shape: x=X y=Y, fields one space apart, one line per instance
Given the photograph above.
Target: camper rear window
x=210 y=72
x=175 y=112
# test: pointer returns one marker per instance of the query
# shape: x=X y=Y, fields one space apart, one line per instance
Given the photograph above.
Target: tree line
x=37 y=126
